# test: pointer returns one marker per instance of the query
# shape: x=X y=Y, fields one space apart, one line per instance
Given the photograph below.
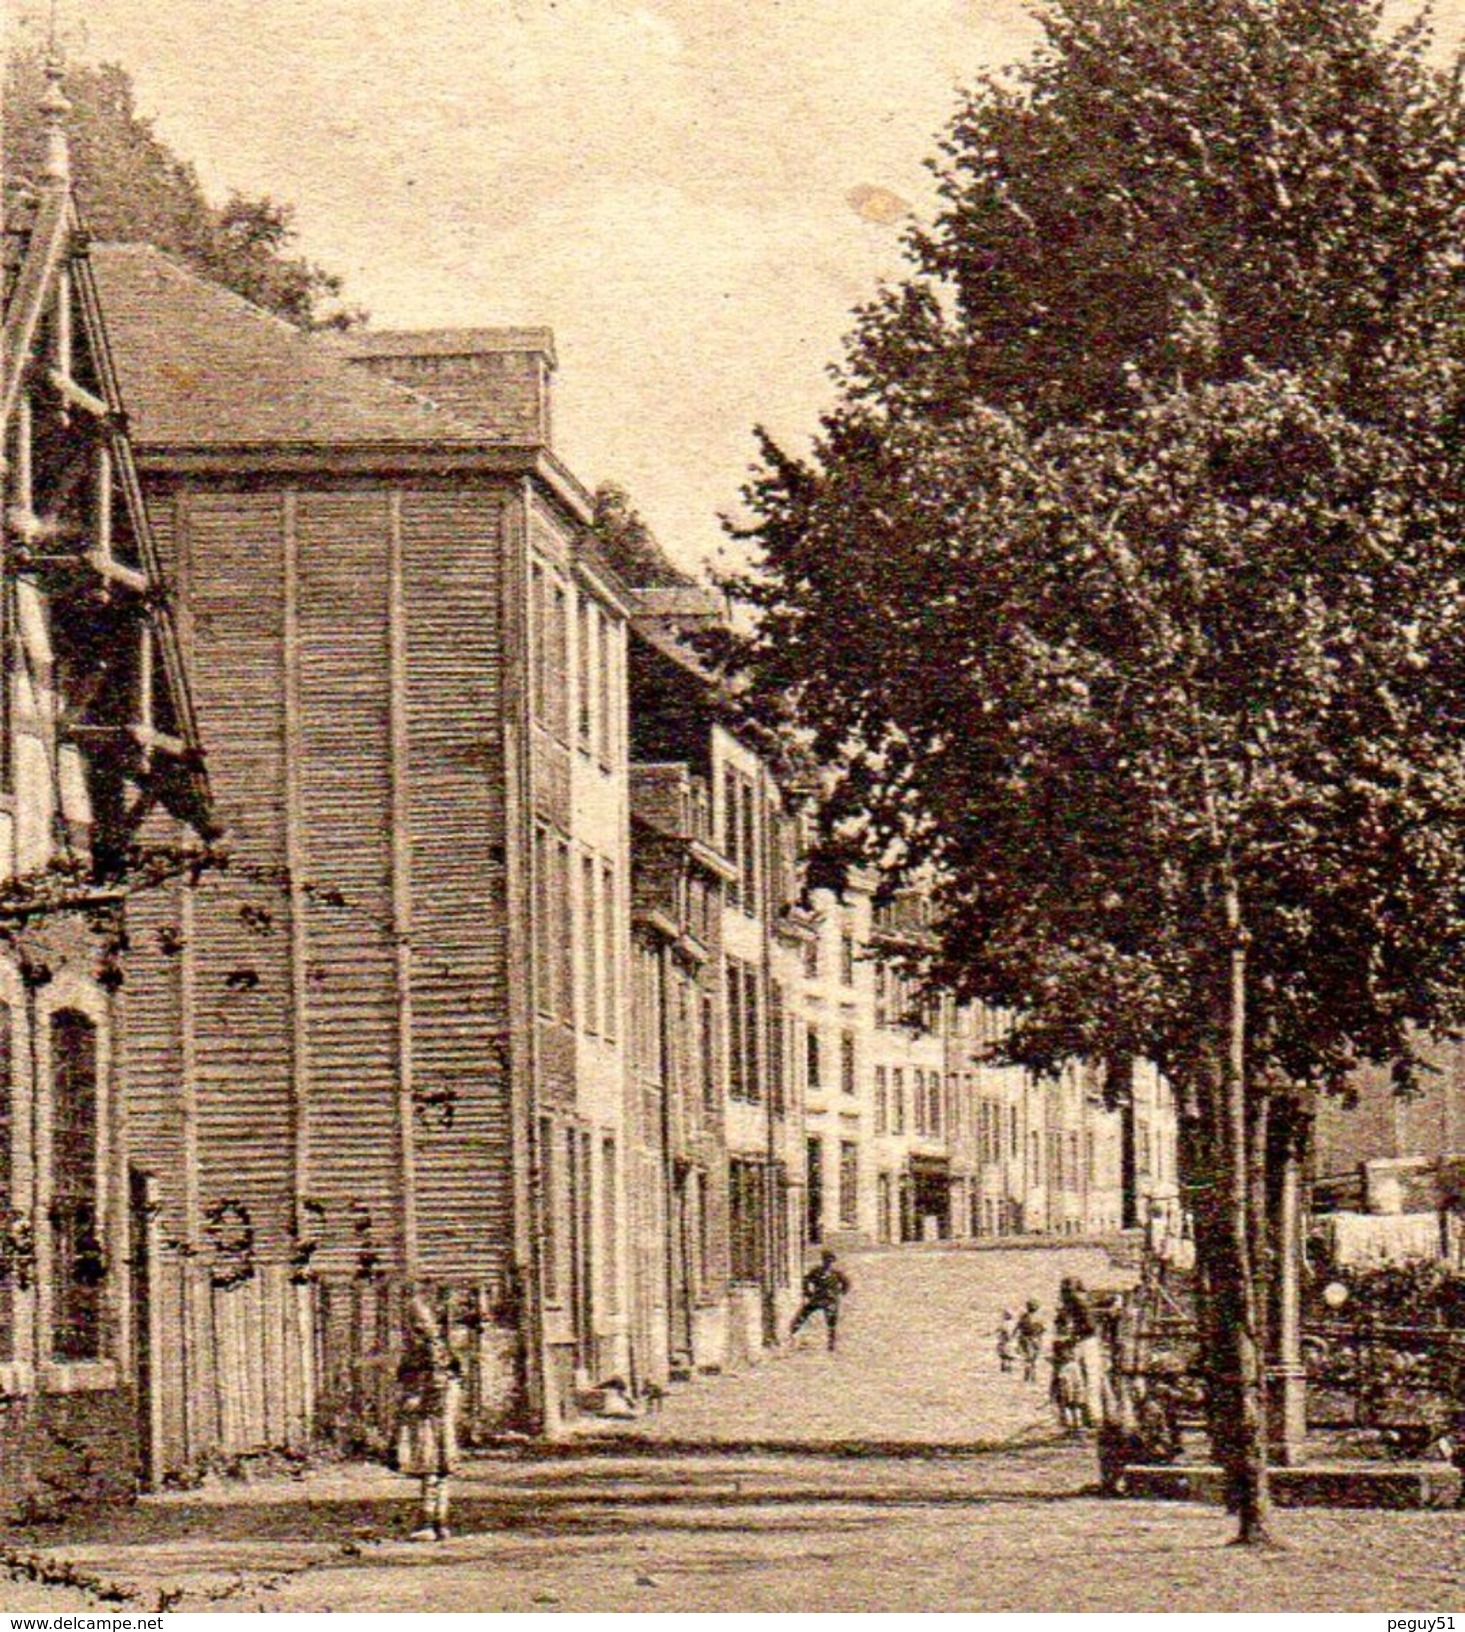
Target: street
x=916 y=1362
x=631 y=1527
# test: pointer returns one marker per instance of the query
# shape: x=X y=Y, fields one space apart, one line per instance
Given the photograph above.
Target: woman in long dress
x=429 y=1402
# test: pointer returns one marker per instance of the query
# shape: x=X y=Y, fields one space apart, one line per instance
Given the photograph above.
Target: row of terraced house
x=504 y=979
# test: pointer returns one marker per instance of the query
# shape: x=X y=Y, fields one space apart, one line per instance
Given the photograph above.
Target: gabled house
x=97 y=735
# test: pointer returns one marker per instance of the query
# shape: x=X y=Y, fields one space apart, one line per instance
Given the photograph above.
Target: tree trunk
x=1234 y=1282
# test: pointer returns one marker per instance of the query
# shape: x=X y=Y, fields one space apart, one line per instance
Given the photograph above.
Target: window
x=539 y=613
x=812 y=1065
x=811 y=957
x=933 y=1115
x=564 y=939
x=750 y=852
x=847 y=1062
x=744 y=1212
x=544 y=954
x=732 y=836
x=882 y=1101
x=814 y=1188
x=611 y=985
x=612 y=686
x=882 y=997
x=549 y=1235
x=897 y=1098
x=77 y=1264
x=736 y=1083
x=846 y=958
x=550 y=666
x=918 y=1101
x=558 y=655
x=849 y=1183
x=610 y=1225
x=752 y=1036
x=585 y=693
x=742 y=1034
x=709 y=1052
x=776 y=1044
x=590 y=918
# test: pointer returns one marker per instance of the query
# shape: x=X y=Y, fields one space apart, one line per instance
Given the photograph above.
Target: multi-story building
x=721 y=1227
x=914 y=1134
x=389 y=1044
x=678 y=1118
x=96 y=732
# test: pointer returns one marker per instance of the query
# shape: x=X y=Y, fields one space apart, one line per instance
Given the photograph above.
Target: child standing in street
x=1006 y=1340
x=1030 y=1340
x=429 y=1400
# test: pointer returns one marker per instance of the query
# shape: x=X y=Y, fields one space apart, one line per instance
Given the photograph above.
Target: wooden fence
x=275 y=1364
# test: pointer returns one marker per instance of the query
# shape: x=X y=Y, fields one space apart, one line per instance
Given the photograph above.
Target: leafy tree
x=629 y=544
x=133 y=187
x=1123 y=587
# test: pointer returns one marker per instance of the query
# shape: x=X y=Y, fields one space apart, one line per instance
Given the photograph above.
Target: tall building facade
x=388 y=1044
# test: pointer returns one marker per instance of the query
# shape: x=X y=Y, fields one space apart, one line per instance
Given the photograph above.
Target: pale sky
x=666 y=183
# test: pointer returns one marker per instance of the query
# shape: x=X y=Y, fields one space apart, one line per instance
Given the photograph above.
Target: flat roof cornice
x=380 y=459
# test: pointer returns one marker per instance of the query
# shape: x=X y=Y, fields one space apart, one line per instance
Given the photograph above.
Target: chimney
x=495 y=381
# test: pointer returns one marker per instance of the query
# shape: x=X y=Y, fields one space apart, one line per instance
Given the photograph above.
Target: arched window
x=78 y=1265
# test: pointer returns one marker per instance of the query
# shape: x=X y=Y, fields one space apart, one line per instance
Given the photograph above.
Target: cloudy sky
x=692 y=193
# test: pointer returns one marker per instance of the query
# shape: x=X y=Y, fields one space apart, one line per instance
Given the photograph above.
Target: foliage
x=1072 y=668
x=629 y=544
x=1175 y=190
x=1121 y=592
x=1417 y=1294
x=134 y=188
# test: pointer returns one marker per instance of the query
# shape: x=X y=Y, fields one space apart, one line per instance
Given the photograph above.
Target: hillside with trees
x=133 y=188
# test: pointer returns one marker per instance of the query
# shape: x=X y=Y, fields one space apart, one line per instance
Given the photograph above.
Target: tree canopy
x=1176 y=191
x=134 y=188
x=1122 y=590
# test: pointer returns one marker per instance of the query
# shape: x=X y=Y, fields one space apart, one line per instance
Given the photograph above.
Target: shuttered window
x=611 y=1225
x=77 y=1265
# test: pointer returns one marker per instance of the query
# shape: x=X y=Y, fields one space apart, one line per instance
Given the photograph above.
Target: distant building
x=914 y=1134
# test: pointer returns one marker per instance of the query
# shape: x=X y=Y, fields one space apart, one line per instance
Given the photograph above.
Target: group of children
x=1020 y=1342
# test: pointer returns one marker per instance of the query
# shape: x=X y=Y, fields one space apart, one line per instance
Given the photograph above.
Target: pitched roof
x=200 y=367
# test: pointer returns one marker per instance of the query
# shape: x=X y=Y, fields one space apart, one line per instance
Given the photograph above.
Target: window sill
x=77 y=1376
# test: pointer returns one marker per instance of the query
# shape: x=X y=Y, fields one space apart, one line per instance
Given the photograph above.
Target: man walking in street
x=825 y=1287
x=1030 y=1340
